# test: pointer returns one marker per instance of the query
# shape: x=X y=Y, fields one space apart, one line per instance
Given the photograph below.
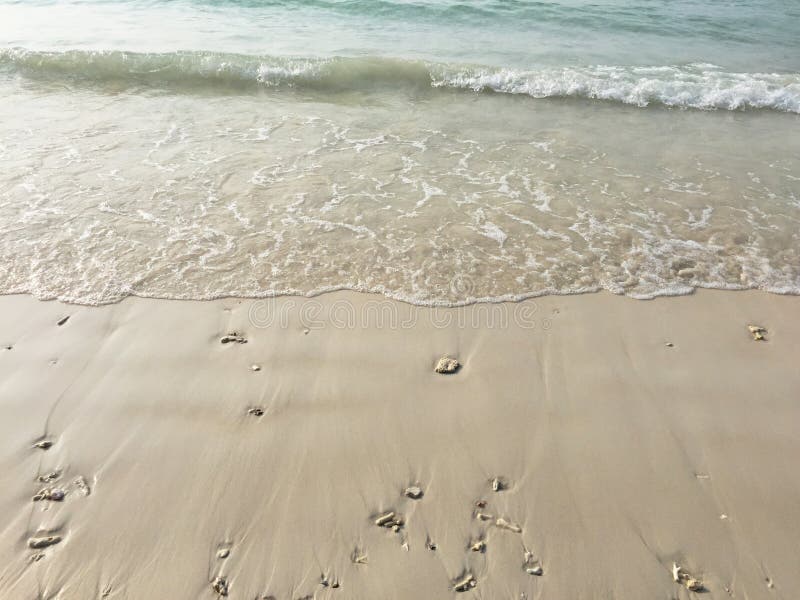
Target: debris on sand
x=532 y=565
x=43 y=541
x=49 y=477
x=414 y=492
x=51 y=494
x=465 y=583
x=501 y=523
x=358 y=556
x=63 y=320
x=255 y=411
x=43 y=445
x=757 y=332
x=82 y=486
x=680 y=575
x=447 y=365
x=220 y=585
x=234 y=337
x=478 y=546
x=499 y=484
x=389 y=520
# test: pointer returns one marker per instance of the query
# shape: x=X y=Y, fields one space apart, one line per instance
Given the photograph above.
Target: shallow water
x=194 y=150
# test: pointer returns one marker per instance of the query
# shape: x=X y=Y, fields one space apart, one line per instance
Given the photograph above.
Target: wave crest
x=698 y=86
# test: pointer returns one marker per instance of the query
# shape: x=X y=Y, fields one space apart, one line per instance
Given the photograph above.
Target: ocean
x=436 y=152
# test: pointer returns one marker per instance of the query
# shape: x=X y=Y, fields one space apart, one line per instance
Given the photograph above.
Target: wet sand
x=585 y=446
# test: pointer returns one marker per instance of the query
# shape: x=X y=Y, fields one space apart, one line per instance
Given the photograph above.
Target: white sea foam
x=698 y=85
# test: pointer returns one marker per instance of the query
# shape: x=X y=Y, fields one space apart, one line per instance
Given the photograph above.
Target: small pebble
x=220 y=585
x=414 y=492
x=256 y=411
x=255 y=367
x=44 y=444
x=223 y=553
x=447 y=365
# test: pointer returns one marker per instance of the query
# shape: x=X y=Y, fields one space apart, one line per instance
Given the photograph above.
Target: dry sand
x=260 y=468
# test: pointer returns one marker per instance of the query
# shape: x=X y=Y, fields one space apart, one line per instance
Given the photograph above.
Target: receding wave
x=698 y=86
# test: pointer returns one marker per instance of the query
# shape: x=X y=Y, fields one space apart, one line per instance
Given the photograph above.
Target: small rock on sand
x=223 y=553
x=414 y=492
x=43 y=541
x=43 y=445
x=220 y=585
x=255 y=411
x=447 y=365
x=465 y=583
x=255 y=367
x=233 y=337
x=478 y=546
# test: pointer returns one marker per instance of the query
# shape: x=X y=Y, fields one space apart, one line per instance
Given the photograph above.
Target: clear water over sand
x=230 y=156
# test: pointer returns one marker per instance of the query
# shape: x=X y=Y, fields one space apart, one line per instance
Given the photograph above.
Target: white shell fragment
x=680 y=575
x=503 y=524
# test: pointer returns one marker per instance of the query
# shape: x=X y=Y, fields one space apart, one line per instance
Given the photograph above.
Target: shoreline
x=616 y=454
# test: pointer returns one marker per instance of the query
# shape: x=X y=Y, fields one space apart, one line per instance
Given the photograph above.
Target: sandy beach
x=586 y=445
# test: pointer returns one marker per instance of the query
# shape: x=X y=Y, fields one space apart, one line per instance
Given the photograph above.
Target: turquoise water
x=738 y=35
x=438 y=152
x=714 y=54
